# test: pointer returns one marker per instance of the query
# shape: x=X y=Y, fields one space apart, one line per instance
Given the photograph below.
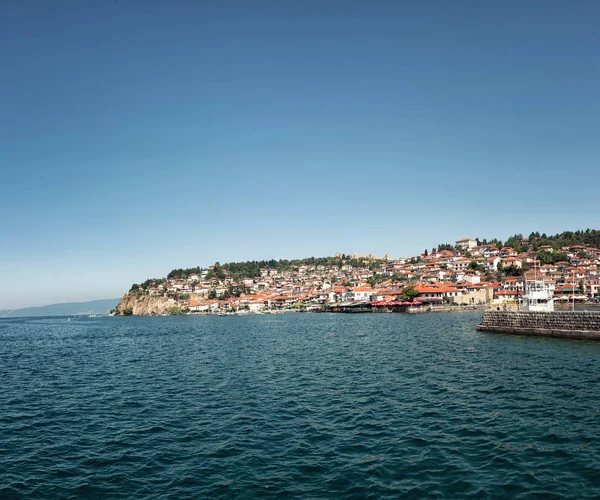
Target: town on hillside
x=468 y=273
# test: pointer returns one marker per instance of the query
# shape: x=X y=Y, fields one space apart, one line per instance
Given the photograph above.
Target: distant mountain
x=102 y=306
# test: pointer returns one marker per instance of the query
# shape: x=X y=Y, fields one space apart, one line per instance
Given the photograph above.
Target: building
x=466 y=244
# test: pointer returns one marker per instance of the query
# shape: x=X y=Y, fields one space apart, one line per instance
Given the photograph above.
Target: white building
x=466 y=244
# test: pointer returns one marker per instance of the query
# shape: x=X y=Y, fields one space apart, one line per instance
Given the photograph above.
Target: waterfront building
x=538 y=296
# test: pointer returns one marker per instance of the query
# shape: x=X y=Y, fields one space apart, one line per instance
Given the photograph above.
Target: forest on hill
x=251 y=269
x=522 y=243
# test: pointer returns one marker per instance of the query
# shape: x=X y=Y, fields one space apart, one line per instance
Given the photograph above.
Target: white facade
x=538 y=297
x=466 y=244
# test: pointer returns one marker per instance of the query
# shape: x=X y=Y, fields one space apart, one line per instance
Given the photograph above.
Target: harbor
x=538 y=317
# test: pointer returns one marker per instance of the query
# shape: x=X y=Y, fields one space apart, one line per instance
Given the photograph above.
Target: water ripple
x=301 y=406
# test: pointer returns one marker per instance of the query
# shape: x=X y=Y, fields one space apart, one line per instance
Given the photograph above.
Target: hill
x=102 y=306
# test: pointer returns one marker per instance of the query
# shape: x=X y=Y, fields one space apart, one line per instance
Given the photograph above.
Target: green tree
x=513 y=270
x=175 y=311
x=545 y=257
x=475 y=266
x=409 y=292
x=128 y=311
x=500 y=269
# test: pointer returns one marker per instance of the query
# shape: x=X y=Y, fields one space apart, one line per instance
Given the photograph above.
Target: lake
x=294 y=406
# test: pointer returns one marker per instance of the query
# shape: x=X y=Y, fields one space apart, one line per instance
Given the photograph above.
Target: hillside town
x=467 y=274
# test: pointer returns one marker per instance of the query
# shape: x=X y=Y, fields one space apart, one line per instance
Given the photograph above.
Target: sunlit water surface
x=295 y=405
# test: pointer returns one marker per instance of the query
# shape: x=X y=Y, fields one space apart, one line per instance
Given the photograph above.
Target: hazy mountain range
x=102 y=306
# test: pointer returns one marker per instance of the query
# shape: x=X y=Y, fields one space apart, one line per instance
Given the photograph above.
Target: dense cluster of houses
x=466 y=275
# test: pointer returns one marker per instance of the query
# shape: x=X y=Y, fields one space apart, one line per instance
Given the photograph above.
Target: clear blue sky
x=139 y=136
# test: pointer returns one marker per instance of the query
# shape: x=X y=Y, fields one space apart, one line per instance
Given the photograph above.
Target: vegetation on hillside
x=521 y=243
x=251 y=269
x=237 y=271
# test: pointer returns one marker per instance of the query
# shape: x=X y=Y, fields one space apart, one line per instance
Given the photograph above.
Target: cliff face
x=145 y=305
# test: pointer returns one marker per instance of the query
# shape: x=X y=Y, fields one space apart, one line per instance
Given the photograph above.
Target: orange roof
x=434 y=288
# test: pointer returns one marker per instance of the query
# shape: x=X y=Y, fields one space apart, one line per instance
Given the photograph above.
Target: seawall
x=566 y=324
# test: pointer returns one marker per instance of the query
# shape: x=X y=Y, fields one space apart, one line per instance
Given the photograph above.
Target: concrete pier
x=566 y=324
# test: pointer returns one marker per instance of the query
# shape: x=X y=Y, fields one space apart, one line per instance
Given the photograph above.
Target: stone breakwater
x=567 y=324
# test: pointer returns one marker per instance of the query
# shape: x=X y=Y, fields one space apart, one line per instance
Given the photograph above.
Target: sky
x=140 y=136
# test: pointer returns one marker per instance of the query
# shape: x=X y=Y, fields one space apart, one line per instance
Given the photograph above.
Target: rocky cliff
x=145 y=305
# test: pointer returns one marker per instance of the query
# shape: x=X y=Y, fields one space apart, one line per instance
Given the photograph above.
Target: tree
x=235 y=291
x=128 y=311
x=513 y=270
x=475 y=266
x=175 y=310
x=409 y=292
x=425 y=253
x=545 y=257
x=500 y=269
x=395 y=278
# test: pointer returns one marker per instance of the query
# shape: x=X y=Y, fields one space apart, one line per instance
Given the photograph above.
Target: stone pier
x=566 y=324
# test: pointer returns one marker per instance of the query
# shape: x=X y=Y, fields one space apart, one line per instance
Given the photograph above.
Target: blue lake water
x=294 y=406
